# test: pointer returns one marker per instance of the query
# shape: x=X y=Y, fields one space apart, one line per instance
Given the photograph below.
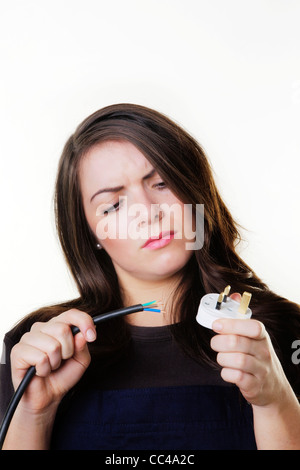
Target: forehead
x=112 y=160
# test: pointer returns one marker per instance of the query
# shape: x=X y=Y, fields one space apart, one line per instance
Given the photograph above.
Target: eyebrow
x=118 y=188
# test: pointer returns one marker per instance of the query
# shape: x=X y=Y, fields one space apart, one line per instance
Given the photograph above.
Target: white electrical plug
x=214 y=306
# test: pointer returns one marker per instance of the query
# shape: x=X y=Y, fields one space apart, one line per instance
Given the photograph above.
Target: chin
x=166 y=266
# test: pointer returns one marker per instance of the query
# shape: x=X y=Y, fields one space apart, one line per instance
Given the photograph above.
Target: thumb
x=81 y=352
x=236 y=296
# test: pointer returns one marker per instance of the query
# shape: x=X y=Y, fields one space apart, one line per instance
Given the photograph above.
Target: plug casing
x=207 y=312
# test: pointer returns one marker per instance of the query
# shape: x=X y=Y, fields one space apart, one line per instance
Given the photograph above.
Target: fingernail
x=217 y=326
x=90 y=335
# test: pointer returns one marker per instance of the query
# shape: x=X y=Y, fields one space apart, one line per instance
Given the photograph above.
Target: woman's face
x=126 y=202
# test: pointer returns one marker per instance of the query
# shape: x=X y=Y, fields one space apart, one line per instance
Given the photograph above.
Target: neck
x=138 y=291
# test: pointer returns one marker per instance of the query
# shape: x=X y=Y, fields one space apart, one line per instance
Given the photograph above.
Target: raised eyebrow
x=118 y=188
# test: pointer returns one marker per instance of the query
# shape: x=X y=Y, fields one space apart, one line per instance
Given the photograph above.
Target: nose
x=149 y=211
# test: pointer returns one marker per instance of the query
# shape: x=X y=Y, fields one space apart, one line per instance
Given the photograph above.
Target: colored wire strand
x=149 y=303
x=152 y=309
x=31 y=371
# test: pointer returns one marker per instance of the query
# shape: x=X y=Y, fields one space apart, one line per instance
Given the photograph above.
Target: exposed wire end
x=245 y=301
x=226 y=293
x=159 y=304
x=219 y=301
x=149 y=303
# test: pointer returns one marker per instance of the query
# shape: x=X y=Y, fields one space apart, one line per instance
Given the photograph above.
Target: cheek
x=189 y=224
x=116 y=248
x=179 y=216
x=112 y=232
x=112 y=226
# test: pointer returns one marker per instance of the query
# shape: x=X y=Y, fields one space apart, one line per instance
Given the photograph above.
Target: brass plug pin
x=244 y=303
x=226 y=293
x=220 y=300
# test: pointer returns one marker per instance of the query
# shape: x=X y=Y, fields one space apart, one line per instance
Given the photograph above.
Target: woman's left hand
x=248 y=360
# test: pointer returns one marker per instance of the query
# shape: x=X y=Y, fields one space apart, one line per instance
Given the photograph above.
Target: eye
x=113 y=208
x=160 y=185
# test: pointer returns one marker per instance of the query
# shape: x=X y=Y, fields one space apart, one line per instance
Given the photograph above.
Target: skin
x=143 y=274
x=248 y=360
x=245 y=351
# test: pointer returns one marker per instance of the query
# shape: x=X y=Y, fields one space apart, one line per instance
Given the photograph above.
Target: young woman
x=150 y=380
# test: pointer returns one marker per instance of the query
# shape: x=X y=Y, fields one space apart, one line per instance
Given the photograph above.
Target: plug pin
x=244 y=302
x=220 y=300
x=226 y=293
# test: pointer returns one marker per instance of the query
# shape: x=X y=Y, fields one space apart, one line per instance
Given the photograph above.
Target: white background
x=227 y=71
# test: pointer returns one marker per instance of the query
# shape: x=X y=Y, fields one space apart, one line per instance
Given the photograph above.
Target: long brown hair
x=183 y=165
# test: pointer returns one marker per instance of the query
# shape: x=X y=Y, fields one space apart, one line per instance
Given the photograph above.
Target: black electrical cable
x=31 y=371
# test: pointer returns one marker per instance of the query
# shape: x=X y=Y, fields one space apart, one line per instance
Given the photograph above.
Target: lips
x=163 y=235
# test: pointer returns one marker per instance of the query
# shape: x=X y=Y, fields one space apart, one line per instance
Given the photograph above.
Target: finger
x=61 y=332
x=82 y=320
x=82 y=354
x=240 y=361
x=234 y=343
x=73 y=369
x=243 y=380
x=25 y=356
x=249 y=328
x=60 y=328
x=45 y=343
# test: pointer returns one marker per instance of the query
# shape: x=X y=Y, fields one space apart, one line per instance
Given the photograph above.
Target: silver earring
x=98 y=246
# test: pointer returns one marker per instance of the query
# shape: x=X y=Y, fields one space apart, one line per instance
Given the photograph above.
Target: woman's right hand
x=59 y=357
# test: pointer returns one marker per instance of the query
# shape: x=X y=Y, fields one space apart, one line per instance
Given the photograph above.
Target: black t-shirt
x=154 y=397
x=153 y=359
